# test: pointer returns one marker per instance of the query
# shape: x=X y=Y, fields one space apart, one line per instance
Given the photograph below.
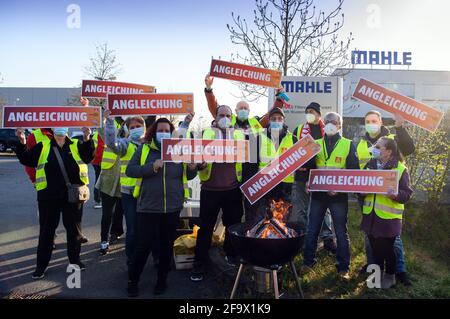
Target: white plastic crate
x=184 y=261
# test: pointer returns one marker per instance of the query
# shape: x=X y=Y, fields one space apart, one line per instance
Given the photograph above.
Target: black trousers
x=112 y=216
x=97 y=170
x=49 y=216
x=211 y=202
x=154 y=229
x=384 y=253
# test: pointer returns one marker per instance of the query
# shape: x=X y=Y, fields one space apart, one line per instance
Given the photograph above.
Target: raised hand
x=209 y=81
x=86 y=133
x=84 y=101
x=20 y=133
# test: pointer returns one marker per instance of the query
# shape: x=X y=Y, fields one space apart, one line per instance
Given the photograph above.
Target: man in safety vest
x=219 y=191
x=336 y=152
x=374 y=131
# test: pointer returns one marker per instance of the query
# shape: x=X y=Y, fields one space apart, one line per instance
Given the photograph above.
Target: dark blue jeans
x=338 y=212
x=129 y=210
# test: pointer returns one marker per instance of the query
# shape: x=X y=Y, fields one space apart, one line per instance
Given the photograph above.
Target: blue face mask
x=162 y=135
x=60 y=131
x=276 y=125
x=242 y=114
x=137 y=133
x=376 y=153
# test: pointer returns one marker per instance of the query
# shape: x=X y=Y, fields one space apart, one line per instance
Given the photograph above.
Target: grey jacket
x=161 y=192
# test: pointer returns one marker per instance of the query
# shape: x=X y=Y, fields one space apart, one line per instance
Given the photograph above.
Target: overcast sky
x=169 y=44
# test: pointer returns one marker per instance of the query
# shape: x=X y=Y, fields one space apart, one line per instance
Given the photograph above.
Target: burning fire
x=273 y=226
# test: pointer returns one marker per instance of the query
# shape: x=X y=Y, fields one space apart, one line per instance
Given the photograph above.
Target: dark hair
x=151 y=132
x=374 y=113
x=391 y=144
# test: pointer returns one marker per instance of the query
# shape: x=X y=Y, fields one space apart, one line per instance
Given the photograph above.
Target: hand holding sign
x=157 y=165
x=399 y=120
x=86 y=133
x=20 y=133
x=209 y=81
x=84 y=101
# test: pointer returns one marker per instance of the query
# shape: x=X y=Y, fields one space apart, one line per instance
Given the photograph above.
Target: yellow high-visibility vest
x=137 y=189
x=254 y=124
x=127 y=183
x=268 y=152
x=210 y=134
x=383 y=206
x=362 y=150
x=39 y=136
x=41 y=178
x=337 y=158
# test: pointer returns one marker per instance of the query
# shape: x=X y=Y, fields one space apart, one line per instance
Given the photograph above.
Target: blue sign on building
x=306 y=86
x=381 y=57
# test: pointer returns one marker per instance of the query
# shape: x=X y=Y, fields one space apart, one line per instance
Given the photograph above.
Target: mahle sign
x=381 y=57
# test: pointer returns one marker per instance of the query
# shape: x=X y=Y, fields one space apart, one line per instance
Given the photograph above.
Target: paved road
x=105 y=277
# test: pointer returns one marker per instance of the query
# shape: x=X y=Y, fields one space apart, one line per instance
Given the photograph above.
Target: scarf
x=307 y=130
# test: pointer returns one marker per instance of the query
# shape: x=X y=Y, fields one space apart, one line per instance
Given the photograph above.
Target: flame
x=279 y=211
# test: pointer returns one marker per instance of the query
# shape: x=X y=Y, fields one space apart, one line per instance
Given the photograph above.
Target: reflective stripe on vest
x=383 y=206
x=210 y=134
x=268 y=152
x=362 y=150
x=337 y=158
x=41 y=178
x=127 y=183
x=144 y=155
x=254 y=124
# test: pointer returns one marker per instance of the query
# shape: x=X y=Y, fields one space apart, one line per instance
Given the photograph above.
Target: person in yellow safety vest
x=374 y=131
x=336 y=152
x=241 y=119
x=52 y=190
x=383 y=213
x=219 y=191
x=161 y=189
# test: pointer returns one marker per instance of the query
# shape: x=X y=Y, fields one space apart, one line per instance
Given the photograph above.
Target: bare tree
x=292 y=36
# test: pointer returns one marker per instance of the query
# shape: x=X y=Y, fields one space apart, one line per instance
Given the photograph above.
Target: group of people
x=133 y=181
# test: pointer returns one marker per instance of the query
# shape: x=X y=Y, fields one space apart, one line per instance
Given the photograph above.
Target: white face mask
x=224 y=122
x=372 y=128
x=310 y=118
x=330 y=129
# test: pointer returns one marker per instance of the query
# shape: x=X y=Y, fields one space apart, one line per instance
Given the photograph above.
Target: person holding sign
x=382 y=214
x=336 y=152
x=374 y=131
x=314 y=126
x=219 y=191
x=160 y=189
x=58 y=161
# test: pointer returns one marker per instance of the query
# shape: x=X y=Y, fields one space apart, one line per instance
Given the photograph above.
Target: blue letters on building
x=381 y=57
x=306 y=86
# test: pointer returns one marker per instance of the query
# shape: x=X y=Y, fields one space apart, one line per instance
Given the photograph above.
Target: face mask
x=276 y=125
x=60 y=131
x=242 y=114
x=376 y=153
x=137 y=133
x=330 y=129
x=372 y=128
x=310 y=118
x=161 y=135
x=224 y=122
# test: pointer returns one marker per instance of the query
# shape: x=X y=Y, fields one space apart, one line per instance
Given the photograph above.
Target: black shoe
x=133 y=289
x=197 y=273
x=363 y=269
x=160 y=287
x=84 y=240
x=114 y=238
x=81 y=265
x=403 y=278
x=330 y=246
x=39 y=273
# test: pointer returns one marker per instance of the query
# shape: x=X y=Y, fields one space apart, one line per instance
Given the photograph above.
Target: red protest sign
x=245 y=73
x=100 y=89
x=51 y=116
x=150 y=104
x=390 y=101
x=278 y=169
x=209 y=151
x=353 y=181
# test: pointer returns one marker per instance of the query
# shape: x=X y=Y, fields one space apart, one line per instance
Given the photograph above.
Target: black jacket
x=56 y=186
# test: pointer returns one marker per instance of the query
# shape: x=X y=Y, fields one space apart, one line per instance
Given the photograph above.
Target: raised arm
x=210 y=98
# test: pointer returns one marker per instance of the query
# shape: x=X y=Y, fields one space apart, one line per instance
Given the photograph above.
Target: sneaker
x=197 y=273
x=232 y=261
x=160 y=287
x=104 y=247
x=84 y=239
x=113 y=238
x=97 y=205
x=133 y=289
x=39 y=273
x=344 y=275
x=403 y=278
x=387 y=281
x=330 y=246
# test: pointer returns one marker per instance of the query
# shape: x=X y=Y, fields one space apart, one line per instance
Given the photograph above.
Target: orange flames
x=276 y=227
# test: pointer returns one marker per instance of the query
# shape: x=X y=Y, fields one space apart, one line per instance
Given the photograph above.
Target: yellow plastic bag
x=185 y=244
